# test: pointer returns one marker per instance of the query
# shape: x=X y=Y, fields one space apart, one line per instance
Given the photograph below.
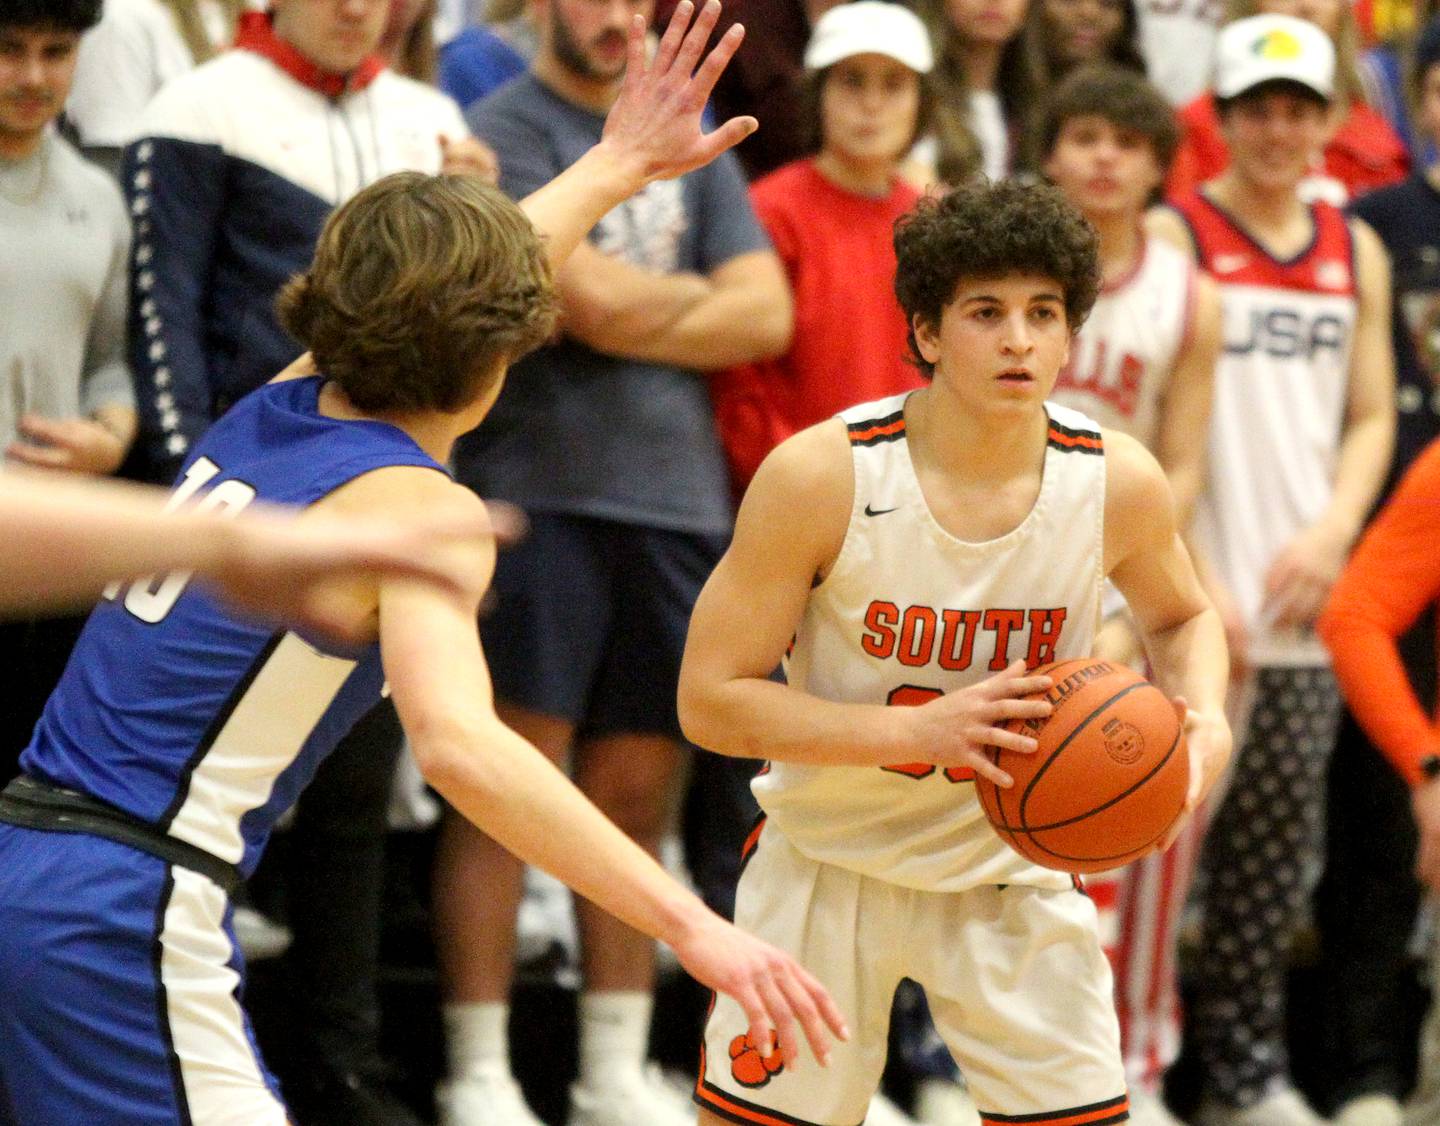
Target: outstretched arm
x=65 y=539
x=493 y=777
x=654 y=130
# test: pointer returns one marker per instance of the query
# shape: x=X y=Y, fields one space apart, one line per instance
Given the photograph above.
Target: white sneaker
x=1370 y=1110
x=491 y=1099
x=883 y=1112
x=1283 y=1107
x=631 y=1098
x=940 y=1102
x=1150 y=1110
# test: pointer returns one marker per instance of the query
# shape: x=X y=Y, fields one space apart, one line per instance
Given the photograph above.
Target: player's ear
x=927 y=338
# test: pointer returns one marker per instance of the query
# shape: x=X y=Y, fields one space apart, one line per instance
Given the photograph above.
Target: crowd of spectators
x=166 y=165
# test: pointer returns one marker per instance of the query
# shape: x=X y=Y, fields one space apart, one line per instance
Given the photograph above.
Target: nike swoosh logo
x=877 y=511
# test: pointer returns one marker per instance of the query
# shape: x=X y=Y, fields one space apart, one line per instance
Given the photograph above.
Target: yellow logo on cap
x=1277 y=44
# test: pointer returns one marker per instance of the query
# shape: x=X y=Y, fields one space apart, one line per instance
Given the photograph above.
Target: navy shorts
x=589 y=621
x=120 y=991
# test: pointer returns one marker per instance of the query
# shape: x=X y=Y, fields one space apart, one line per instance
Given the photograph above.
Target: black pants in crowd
x=1367 y=903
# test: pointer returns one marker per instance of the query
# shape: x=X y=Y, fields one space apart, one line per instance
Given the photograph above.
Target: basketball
x=1108 y=780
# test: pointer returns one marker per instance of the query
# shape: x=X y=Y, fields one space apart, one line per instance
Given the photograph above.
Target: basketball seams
x=1065 y=742
x=1160 y=765
x=1009 y=816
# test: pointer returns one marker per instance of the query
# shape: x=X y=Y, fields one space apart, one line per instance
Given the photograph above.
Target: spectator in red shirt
x=831 y=217
x=1362 y=153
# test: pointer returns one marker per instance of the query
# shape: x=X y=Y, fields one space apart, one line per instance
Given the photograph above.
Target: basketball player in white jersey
x=925 y=550
x=1143 y=362
x=1299 y=443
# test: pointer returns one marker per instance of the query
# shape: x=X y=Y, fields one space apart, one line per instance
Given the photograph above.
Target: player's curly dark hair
x=59 y=15
x=419 y=287
x=989 y=231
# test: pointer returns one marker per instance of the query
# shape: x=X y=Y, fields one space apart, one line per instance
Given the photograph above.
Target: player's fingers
x=1005 y=739
x=1009 y=708
x=695 y=39
x=826 y=1011
x=802 y=1002
x=726 y=137
x=669 y=42
x=714 y=65
x=760 y=1030
x=783 y=1022
x=1182 y=708
x=987 y=769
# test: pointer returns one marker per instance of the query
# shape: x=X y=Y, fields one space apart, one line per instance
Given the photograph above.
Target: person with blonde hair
x=1359 y=151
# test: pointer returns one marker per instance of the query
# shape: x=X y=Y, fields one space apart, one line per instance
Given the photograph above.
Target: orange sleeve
x=1392 y=577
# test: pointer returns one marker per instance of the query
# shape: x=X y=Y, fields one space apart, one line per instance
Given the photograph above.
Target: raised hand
x=655 y=123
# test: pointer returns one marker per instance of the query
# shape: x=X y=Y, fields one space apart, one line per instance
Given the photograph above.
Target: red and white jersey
x=1121 y=359
x=909 y=612
x=1279 y=406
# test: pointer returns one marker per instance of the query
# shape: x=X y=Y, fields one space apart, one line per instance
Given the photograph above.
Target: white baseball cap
x=1273 y=48
x=870 y=27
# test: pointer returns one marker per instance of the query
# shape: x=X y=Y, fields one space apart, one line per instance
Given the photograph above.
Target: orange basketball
x=1110 y=776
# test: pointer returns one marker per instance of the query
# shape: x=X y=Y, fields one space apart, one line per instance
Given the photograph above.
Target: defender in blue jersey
x=180 y=731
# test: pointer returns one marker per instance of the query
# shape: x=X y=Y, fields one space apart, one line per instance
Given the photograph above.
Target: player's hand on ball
x=955 y=729
x=1207 y=737
x=775 y=991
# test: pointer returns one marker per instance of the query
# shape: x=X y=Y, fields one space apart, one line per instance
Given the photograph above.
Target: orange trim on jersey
x=896 y=427
x=1112 y=1110
x=1073 y=441
x=753 y=840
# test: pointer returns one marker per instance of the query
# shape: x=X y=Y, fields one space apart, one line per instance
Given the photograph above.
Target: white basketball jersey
x=1279 y=408
x=909 y=612
x=1122 y=357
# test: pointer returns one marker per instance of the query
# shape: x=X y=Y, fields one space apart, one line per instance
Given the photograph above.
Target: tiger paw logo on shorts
x=751 y=1069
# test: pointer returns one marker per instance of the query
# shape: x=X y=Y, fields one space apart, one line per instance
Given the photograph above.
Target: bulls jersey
x=1279 y=405
x=909 y=612
x=201 y=723
x=1121 y=359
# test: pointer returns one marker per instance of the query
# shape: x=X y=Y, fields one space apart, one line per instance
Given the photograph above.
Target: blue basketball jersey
x=201 y=722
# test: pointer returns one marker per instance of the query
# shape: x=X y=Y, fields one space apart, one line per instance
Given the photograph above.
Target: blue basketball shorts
x=589 y=621
x=120 y=984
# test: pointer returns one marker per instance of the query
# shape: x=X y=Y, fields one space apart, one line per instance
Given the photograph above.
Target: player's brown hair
x=1121 y=97
x=986 y=230
x=420 y=286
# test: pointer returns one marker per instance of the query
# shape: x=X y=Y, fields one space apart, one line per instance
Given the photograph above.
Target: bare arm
x=789 y=531
x=64 y=540
x=441 y=687
x=1146 y=559
x=1300 y=578
x=1185 y=413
